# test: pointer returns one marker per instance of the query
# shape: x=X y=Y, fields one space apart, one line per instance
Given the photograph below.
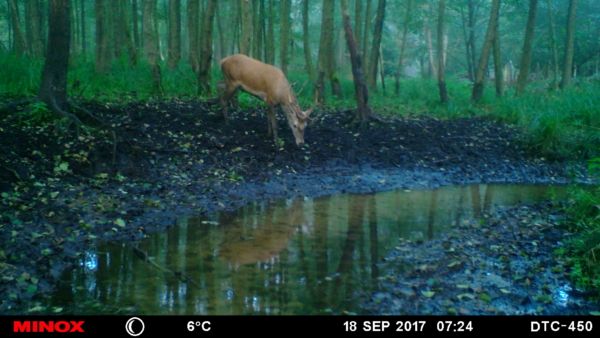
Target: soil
x=502 y=265
x=62 y=191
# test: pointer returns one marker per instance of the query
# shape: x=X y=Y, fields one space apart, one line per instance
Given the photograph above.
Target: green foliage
x=20 y=75
x=583 y=250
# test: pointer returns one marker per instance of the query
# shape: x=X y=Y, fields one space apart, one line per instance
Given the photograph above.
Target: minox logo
x=60 y=326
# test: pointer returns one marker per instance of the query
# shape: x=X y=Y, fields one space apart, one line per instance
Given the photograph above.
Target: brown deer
x=267 y=83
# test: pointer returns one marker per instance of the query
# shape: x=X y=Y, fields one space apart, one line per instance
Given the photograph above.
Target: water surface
x=295 y=256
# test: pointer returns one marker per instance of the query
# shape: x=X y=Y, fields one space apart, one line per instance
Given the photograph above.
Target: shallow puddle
x=297 y=256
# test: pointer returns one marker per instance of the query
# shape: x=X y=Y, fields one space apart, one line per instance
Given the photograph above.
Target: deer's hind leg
x=272 y=122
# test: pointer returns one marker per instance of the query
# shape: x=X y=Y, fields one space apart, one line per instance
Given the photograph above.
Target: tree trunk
x=326 y=59
x=206 y=51
x=471 y=41
x=102 y=54
x=441 y=74
x=135 y=25
x=246 y=38
x=429 y=41
x=34 y=29
x=219 y=22
x=374 y=55
x=284 y=34
x=19 y=44
x=365 y=38
x=358 y=21
x=174 y=33
x=82 y=24
x=527 y=48
x=122 y=31
x=306 y=42
x=498 y=76
x=552 y=34
x=151 y=48
x=485 y=52
x=53 y=88
x=363 y=112
x=270 y=43
x=192 y=21
x=405 y=26
x=259 y=29
x=569 y=43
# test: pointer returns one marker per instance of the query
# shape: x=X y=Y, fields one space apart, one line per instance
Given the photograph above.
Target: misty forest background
x=534 y=64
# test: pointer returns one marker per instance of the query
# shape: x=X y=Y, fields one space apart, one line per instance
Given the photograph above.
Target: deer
x=268 y=84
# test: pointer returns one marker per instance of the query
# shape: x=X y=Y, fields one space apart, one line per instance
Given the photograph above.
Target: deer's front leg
x=272 y=123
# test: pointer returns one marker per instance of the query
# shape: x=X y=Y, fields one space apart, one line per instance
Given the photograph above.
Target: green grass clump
x=583 y=218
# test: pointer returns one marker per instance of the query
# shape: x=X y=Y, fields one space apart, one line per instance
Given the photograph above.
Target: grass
x=555 y=125
x=583 y=250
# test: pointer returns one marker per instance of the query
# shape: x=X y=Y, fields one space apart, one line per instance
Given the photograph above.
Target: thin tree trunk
x=82 y=24
x=471 y=41
x=53 y=88
x=358 y=21
x=284 y=34
x=206 y=52
x=365 y=38
x=498 y=77
x=441 y=74
x=363 y=112
x=485 y=52
x=34 y=31
x=377 y=33
x=246 y=38
x=174 y=33
x=306 y=42
x=569 y=43
x=218 y=18
x=402 y=45
x=19 y=44
x=151 y=47
x=326 y=59
x=117 y=39
x=135 y=24
x=429 y=41
x=270 y=43
x=527 y=48
x=102 y=55
x=552 y=33
x=192 y=21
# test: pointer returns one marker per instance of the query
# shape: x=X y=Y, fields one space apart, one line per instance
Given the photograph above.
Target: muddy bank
x=61 y=192
x=505 y=264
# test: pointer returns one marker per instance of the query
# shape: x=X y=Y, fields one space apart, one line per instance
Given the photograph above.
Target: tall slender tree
x=151 y=48
x=19 y=44
x=206 y=50
x=102 y=51
x=485 y=52
x=376 y=44
x=53 y=88
x=553 y=47
x=33 y=28
x=527 y=48
x=569 y=45
x=284 y=34
x=405 y=26
x=441 y=74
x=326 y=60
x=174 y=40
x=193 y=8
x=270 y=42
x=363 y=111
x=246 y=36
x=498 y=76
x=306 y=42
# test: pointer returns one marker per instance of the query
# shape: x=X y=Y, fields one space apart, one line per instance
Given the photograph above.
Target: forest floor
x=63 y=191
x=504 y=264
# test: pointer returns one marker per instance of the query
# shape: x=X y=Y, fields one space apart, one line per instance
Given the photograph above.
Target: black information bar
x=349 y=326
